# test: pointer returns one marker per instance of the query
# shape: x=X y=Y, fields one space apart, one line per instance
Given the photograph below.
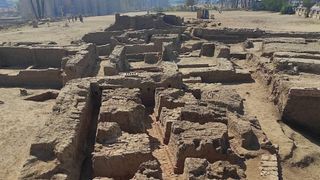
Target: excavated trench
x=159 y=151
x=86 y=168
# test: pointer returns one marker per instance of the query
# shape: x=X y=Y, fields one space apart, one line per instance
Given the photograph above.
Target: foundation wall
x=303 y=109
x=297 y=105
x=60 y=147
x=142 y=48
x=16 y=57
x=82 y=64
x=234 y=35
x=40 y=78
x=24 y=57
x=100 y=38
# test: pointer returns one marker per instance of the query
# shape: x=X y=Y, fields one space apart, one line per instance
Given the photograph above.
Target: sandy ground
x=294 y=145
x=267 y=21
x=64 y=35
x=19 y=122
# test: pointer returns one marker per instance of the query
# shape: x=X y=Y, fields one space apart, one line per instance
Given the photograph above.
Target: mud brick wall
x=15 y=56
x=302 y=108
x=100 y=38
x=41 y=57
x=82 y=64
x=60 y=148
x=43 y=78
x=227 y=35
x=141 y=48
x=234 y=35
x=118 y=58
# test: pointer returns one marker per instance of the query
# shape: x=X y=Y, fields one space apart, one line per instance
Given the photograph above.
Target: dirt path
x=161 y=151
x=20 y=120
x=257 y=104
x=294 y=147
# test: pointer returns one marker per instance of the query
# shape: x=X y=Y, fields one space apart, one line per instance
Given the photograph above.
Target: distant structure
x=313 y=13
x=6 y=6
x=232 y=4
x=176 y=2
x=201 y=2
x=56 y=8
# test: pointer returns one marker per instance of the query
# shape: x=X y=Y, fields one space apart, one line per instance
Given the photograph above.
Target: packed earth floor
x=162 y=96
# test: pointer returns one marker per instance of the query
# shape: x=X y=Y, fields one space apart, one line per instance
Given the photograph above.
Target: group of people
x=75 y=18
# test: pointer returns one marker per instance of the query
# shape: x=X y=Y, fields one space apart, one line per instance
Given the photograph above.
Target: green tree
x=274 y=5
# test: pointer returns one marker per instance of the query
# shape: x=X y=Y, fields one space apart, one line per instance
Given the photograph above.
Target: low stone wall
x=100 y=38
x=40 y=78
x=157 y=21
x=118 y=60
x=302 y=105
x=104 y=50
x=142 y=48
x=45 y=66
x=61 y=147
x=146 y=82
x=82 y=64
x=234 y=35
x=295 y=94
x=227 y=35
x=42 y=57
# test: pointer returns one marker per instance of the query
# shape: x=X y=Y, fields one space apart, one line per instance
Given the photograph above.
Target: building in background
x=176 y=2
x=6 y=6
x=56 y=8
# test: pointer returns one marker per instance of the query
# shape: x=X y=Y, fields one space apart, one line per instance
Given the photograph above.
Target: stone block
x=208 y=49
x=167 y=117
x=224 y=97
x=124 y=107
x=149 y=170
x=196 y=168
x=151 y=58
x=107 y=132
x=203 y=114
x=189 y=139
x=171 y=98
x=222 y=51
x=121 y=159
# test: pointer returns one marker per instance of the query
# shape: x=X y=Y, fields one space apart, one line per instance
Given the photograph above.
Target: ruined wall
x=292 y=77
x=45 y=66
x=40 y=57
x=59 y=149
x=15 y=56
x=235 y=35
x=157 y=21
x=82 y=64
x=41 y=78
x=146 y=82
x=227 y=35
x=302 y=107
x=118 y=59
x=100 y=38
x=141 y=48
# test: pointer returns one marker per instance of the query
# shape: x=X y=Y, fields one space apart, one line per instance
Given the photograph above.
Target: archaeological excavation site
x=160 y=96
